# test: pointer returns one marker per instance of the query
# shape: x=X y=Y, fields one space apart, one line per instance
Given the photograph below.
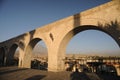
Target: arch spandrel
x=73 y=31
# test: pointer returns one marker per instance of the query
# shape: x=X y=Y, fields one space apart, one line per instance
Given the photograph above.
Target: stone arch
x=10 y=55
x=67 y=37
x=28 y=52
x=2 y=56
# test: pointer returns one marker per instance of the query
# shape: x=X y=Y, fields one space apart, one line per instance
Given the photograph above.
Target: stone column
x=55 y=57
x=55 y=62
x=26 y=62
x=20 y=63
x=117 y=67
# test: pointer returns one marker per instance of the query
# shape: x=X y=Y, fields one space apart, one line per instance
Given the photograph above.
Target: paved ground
x=14 y=73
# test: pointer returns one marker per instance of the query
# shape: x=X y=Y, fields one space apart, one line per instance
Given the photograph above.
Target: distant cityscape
x=98 y=63
x=73 y=62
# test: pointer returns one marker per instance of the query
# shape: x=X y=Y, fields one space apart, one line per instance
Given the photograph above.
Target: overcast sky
x=20 y=16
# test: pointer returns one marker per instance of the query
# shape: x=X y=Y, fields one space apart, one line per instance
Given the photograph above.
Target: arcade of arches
x=57 y=34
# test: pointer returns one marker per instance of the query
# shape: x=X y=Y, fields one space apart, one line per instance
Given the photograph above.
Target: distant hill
x=40 y=50
x=92 y=54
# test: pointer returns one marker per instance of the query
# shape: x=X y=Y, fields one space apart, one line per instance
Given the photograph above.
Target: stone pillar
x=55 y=62
x=26 y=62
x=55 y=58
x=52 y=62
x=117 y=67
x=5 y=61
x=20 y=63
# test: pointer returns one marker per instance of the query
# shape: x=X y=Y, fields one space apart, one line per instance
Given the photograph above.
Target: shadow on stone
x=78 y=76
x=36 y=77
x=113 y=29
x=11 y=71
x=107 y=76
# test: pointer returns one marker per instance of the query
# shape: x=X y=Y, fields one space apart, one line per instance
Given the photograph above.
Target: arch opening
x=36 y=54
x=74 y=32
x=93 y=41
x=12 y=58
x=2 y=57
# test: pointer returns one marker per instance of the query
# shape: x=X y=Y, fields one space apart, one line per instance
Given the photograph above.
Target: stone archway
x=2 y=56
x=10 y=55
x=28 y=52
x=72 y=33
